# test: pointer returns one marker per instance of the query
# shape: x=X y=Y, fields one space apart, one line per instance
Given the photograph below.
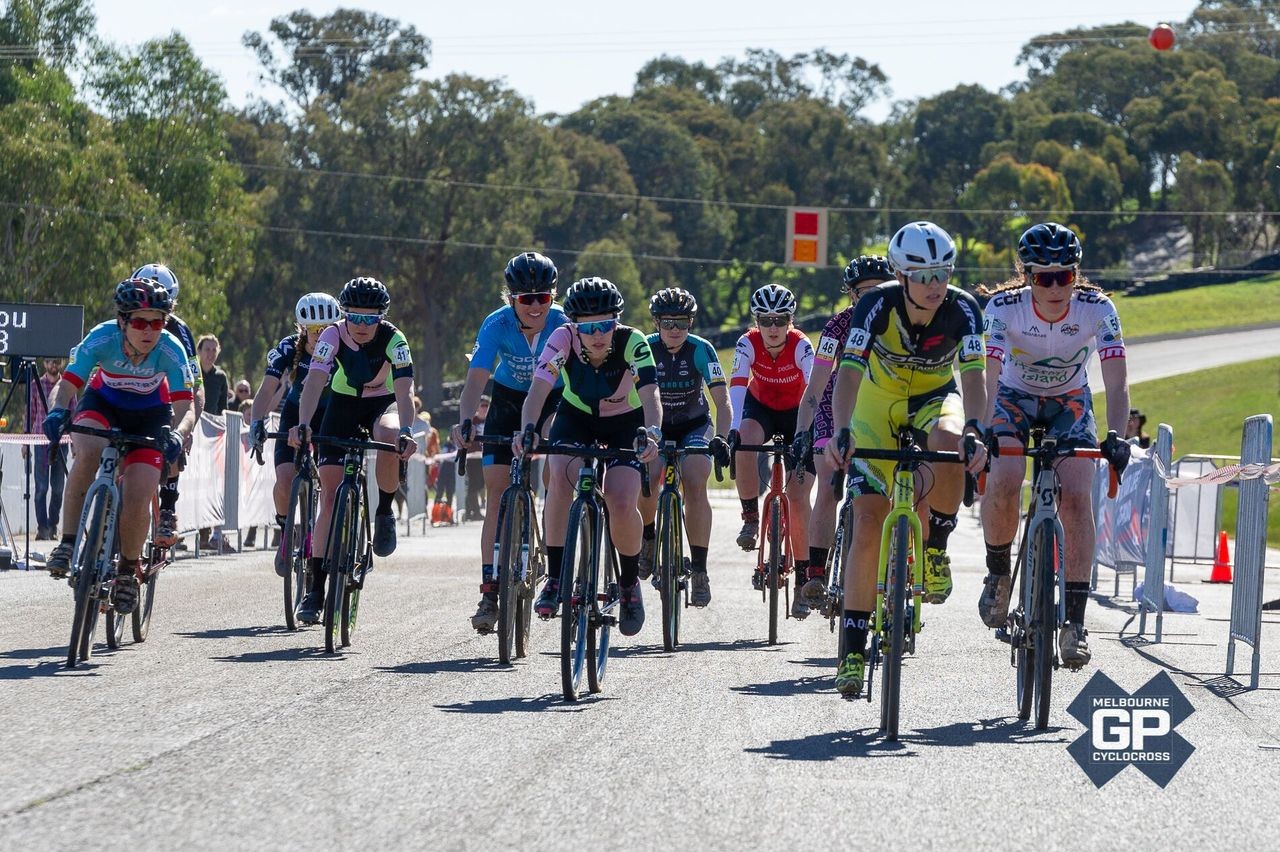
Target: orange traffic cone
x=1222 y=563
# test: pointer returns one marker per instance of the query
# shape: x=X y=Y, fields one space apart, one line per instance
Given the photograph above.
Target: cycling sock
x=801 y=572
x=69 y=538
x=1077 y=597
x=127 y=567
x=169 y=495
x=315 y=564
x=818 y=556
x=628 y=569
x=750 y=506
x=940 y=527
x=650 y=532
x=281 y=520
x=998 y=558
x=555 y=555
x=698 y=558
x=854 y=625
x=385 y=499
x=487 y=574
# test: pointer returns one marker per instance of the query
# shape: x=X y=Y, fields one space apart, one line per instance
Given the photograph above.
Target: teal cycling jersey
x=682 y=375
x=500 y=341
x=162 y=377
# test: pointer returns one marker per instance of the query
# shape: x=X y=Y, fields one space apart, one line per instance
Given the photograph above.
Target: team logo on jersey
x=1070 y=329
x=400 y=357
x=323 y=353
x=273 y=357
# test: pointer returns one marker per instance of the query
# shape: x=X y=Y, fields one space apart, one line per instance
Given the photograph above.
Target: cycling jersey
x=180 y=330
x=501 y=341
x=907 y=359
x=362 y=370
x=607 y=390
x=164 y=375
x=289 y=357
x=1049 y=358
x=778 y=383
x=682 y=375
x=834 y=334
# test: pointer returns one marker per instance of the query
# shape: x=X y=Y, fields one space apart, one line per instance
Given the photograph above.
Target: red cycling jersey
x=777 y=383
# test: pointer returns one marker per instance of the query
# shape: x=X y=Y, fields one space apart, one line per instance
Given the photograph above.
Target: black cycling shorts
x=153 y=422
x=574 y=426
x=344 y=417
x=285 y=454
x=504 y=419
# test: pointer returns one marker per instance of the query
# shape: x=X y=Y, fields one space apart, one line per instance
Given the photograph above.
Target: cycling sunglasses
x=670 y=324
x=1058 y=277
x=774 y=321
x=533 y=298
x=141 y=324
x=364 y=319
x=597 y=326
x=315 y=329
x=928 y=275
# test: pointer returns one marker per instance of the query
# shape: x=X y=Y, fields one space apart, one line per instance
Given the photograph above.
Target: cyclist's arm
x=994 y=367
x=64 y=394
x=264 y=401
x=1115 y=379
x=184 y=417
x=973 y=389
x=318 y=373
x=724 y=409
x=845 y=395
x=403 y=388
x=312 y=389
x=743 y=357
x=534 y=401
x=477 y=377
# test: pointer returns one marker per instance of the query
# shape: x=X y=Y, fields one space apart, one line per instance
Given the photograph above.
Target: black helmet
x=868 y=267
x=591 y=296
x=364 y=293
x=142 y=294
x=673 y=302
x=530 y=272
x=1049 y=244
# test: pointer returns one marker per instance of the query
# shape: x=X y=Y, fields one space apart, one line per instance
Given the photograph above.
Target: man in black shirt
x=215 y=380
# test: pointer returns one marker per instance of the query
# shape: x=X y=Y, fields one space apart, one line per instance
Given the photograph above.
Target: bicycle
x=671 y=574
x=774 y=558
x=94 y=559
x=349 y=558
x=154 y=559
x=896 y=620
x=1032 y=627
x=587 y=605
x=300 y=518
x=833 y=600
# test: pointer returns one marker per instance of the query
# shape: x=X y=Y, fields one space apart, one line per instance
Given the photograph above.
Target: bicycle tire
x=358 y=570
x=153 y=561
x=891 y=679
x=603 y=617
x=534 y=570
x=299 y=520
x=339 y=553
x=84 y=619
x=670 y=563
x=574 y=607
x=773 y=564
x=1044 y=580
x=509 y=530
x=115 y=628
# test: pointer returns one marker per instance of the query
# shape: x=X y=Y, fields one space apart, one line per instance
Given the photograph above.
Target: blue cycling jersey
x=500 y=341
x=163 y=376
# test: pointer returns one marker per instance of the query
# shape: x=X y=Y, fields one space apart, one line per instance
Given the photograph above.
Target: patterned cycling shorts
x=1067 y=417
x=876 y=417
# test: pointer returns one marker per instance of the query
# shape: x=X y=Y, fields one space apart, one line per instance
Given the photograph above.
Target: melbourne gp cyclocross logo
x=1123 y=729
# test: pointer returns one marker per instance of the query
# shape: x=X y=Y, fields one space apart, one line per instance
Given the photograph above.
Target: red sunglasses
x=1058 y=277
x=533 y=298
x=142 y=324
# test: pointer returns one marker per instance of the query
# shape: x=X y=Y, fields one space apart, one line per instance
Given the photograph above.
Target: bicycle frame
x=775 y=568
x=518 y=560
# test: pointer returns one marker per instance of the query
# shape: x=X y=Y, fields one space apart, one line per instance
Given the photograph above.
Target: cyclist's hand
x=407 y=446
x=840 y=447
x=258 y=436
x=171 y=445
x=187 y=440
x=56 y=423
x=801 y=446
x=461 y=433
x=1116 y=451
x=524 y=442
x=975 y=461
x=720 y=450
x=733 y=440
x=648 y=451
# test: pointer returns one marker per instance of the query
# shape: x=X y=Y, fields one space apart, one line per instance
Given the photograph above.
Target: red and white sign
x=806 y=236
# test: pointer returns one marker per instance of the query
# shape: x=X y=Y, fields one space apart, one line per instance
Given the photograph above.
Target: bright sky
x=564 y=53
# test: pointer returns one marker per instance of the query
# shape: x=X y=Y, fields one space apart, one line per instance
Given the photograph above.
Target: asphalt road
x=1159 y=359
x=225 y=731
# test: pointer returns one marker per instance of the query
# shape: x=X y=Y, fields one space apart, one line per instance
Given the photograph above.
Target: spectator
x=216 y=397
x=49 y=478
x=1133 y=430
x=446 y=481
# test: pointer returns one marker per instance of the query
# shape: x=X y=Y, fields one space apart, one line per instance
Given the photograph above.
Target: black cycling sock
x=854 y=624
x=1077 y=598
x=750 y=506
x=940 y=527
x=555 y=555
x=385 y=499
x=818 y=556
x=650 y=532
x=698 y=558
x=801 y=572
x=315 y=564
x=281 y=520
x=169 y=494
x=629 y=570
x=69 y=538
x=127 y=567
x=999 y=558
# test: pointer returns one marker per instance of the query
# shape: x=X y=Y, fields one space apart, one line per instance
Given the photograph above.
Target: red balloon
x=1162 y=37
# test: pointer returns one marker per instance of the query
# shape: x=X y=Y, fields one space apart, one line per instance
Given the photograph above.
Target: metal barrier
x=1152 y=598
x=1251 y=547
x=1195 y=513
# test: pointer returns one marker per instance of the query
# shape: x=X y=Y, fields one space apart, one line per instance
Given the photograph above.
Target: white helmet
x=921 y=245
x=773 y=299
x=163 y=274
x=317 y=308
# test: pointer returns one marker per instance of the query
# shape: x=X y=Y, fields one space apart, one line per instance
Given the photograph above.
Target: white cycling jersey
x=1046 y=358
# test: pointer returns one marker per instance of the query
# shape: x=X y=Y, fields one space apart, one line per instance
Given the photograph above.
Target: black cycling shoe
x=631 y=611
x=309 y=609
x=548 y=601
x=384 y=535
x=124 y=593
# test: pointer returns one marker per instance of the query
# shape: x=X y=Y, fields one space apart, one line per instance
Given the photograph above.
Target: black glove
x=304 y=434
x=843 y=438
x=1116 y=451
x=258 y=434
x=55 y=423
x=171 y=446
x=720 y=450
x=733 y=440
x=801 y=446
x=406 y=438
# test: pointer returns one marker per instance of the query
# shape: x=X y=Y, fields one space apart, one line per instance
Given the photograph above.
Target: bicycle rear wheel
x=773 y=566
x=296 y=539
x=154 y=559
x=575 y=606
x=1044 y=618
x=338 y=562
x=88 y=555
x=896 y=604
x=509 y=529
x=670 y=566
x=604 y=611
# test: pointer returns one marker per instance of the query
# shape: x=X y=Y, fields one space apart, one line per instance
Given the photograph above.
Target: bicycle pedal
x=1003 y=635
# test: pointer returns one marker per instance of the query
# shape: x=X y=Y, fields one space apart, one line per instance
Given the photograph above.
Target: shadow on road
x=1006 y=729
x=278 y=654
x=42 y=667
x=475 y=664
x=553 y=702
x=869 y=742
x=237 y=632
x=865 y=742
x=792 y=686
x=657 y=650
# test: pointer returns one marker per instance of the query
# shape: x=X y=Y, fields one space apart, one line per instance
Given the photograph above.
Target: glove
x=171 y=446
x=406 y=438
x=800 y=447
x=55 y=423
x=1116 y=452
x=733 y=440
x=720 y=450
x=304 y=433
x=258 y=434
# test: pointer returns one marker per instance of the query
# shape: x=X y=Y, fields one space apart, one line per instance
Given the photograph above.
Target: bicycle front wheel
x=509 y=529
x=534 y=568
x=773 y=566
x=357 y=570
x=88 y=556
x=575 y=603
x=338 y=561
x=896 y=604
x=296 y=540
x=670 y=548
x=1044 y=618
x=604 y=612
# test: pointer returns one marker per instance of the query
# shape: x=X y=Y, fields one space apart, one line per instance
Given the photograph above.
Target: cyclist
x=813 y=420
x=167 y=531
x=510 y=339
x=289 y=362
x=610 y=390
x=897 y=370
x=686 y=365
x=365 y=362
x=1042 y=327
x=138 y=379
x=771 y=365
